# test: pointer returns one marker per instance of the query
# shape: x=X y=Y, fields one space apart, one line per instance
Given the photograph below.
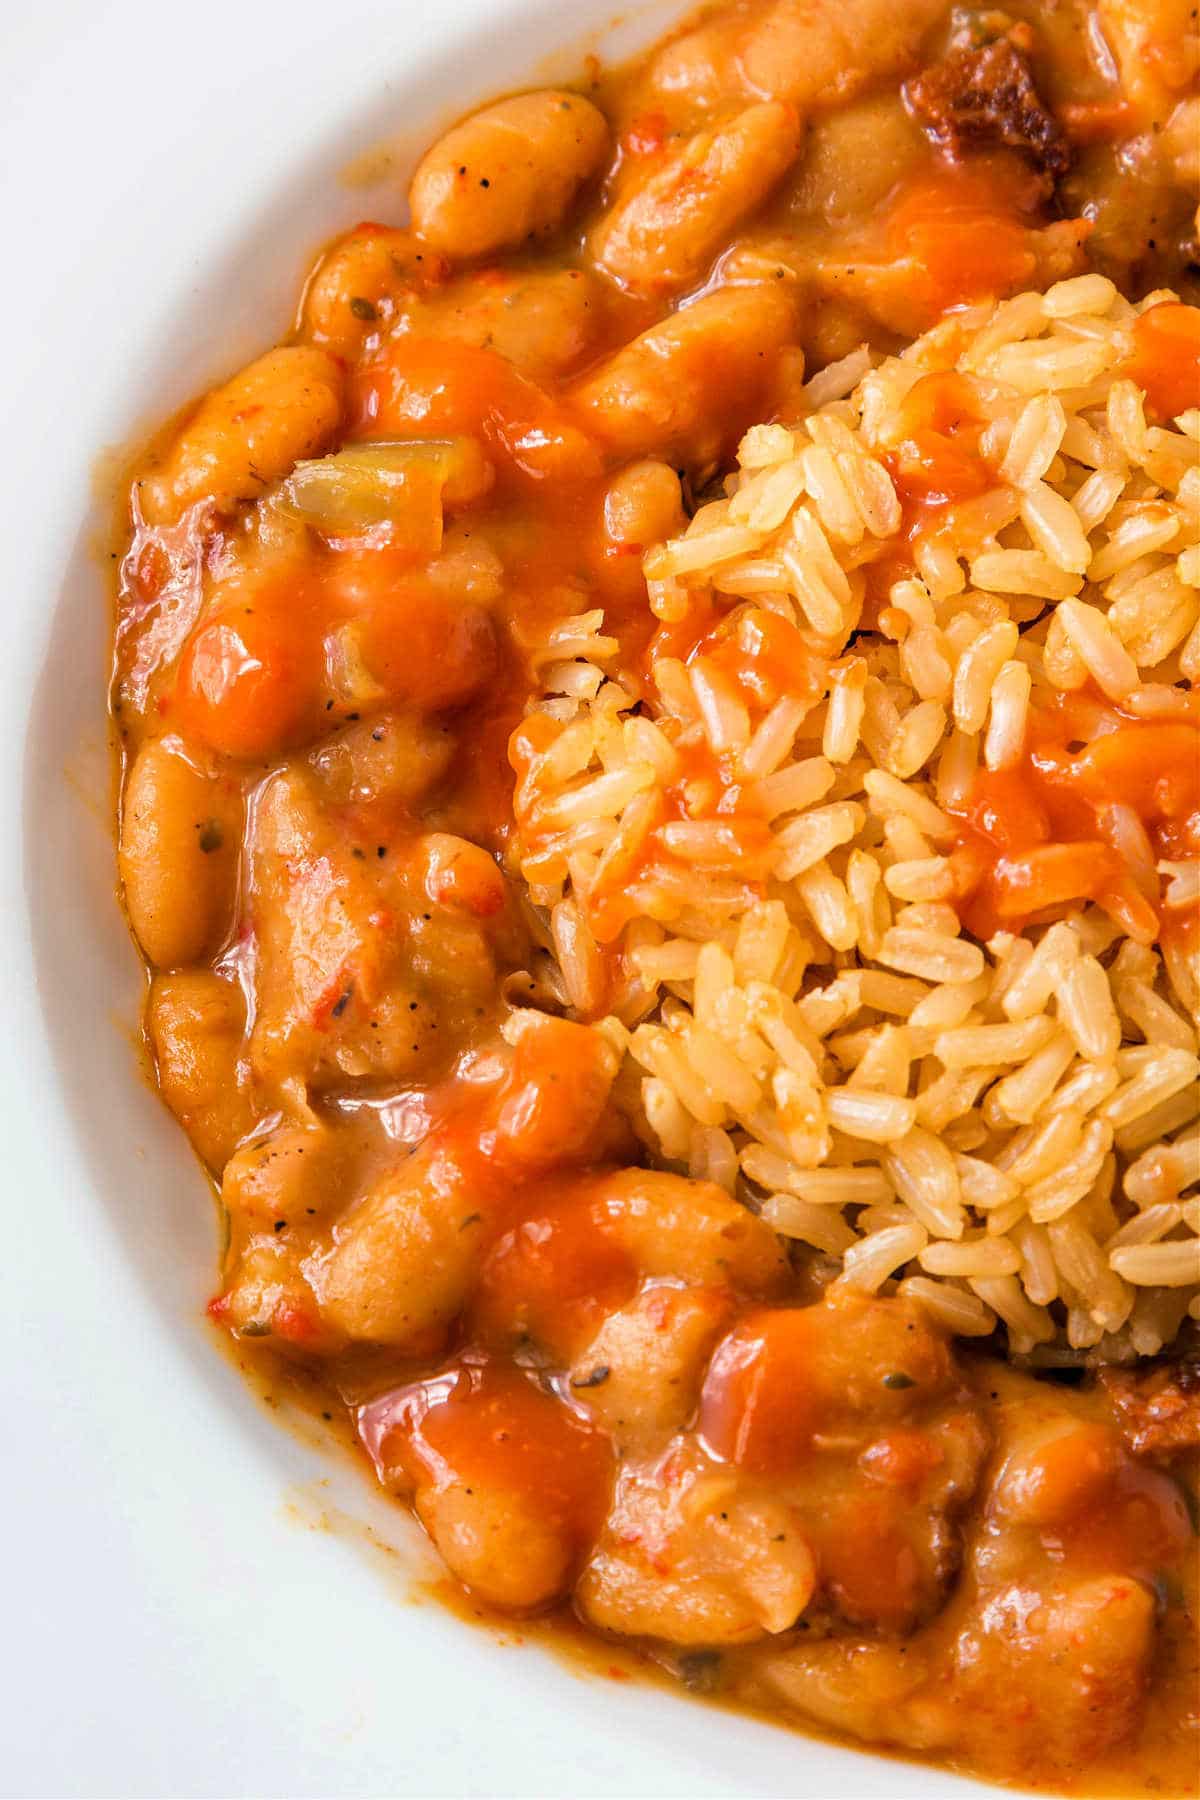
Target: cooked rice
x=761 y=902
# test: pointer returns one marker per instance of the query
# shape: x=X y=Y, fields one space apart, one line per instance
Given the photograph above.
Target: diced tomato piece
x=297 y=1324
x=437 y=388
x=964 y=234
x=490 y=1424
x=423 y=646
x=758 y=1408
x=937 y=459
x=555 y=1277
x=1153 y=768
x=647 y=133
x=555 y=1097
x=248 y=683
x=1165 y=361
x=1053 y=875
x=426 y=388
x=901 y=1458
x=767 y=657
x=1004 y=806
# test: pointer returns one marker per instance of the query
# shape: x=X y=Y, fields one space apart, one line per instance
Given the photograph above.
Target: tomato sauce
x=1039 y=836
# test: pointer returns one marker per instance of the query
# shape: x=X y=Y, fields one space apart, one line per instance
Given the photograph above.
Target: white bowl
x=170 y=1625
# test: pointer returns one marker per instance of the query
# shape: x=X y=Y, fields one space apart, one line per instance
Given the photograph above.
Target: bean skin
x=401 y=1265
x=812 y=52
x=247 y=435
x=361 y=282
x=543 y=321
x=507 y=173
x=195 y=1023
x=686 y=388
x=294 y=1174
x=180 y=831
x=666 y=233
x=643 y=505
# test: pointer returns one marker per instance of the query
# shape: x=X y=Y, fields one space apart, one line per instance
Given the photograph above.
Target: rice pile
x=755 y=901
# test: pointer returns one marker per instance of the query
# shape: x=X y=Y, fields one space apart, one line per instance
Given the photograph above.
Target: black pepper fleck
x=594 y=1378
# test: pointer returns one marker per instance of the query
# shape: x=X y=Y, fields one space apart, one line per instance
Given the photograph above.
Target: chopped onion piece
x=403 y=484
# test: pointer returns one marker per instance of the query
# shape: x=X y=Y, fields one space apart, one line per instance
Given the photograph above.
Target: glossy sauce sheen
x=607 y=1392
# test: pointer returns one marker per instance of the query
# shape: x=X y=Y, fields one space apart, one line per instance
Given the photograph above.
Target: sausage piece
x=666 y=233
x=979 y=98
x=508 y=173
x=1158 y=1412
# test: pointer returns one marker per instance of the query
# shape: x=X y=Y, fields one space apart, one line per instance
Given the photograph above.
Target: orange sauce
x=1041 y=835
x=486 y=1421
x=965 y=231
x=937 y=460
x=554 y=1277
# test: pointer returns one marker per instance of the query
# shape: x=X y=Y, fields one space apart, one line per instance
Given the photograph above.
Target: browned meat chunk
x=1159 y=1412
x=981 y=98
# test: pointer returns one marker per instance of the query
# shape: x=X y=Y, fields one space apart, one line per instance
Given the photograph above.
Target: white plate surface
x=169 y=1625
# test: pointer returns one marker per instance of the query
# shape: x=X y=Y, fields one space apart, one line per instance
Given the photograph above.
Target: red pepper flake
x=295 y=1323
x=647 y=134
